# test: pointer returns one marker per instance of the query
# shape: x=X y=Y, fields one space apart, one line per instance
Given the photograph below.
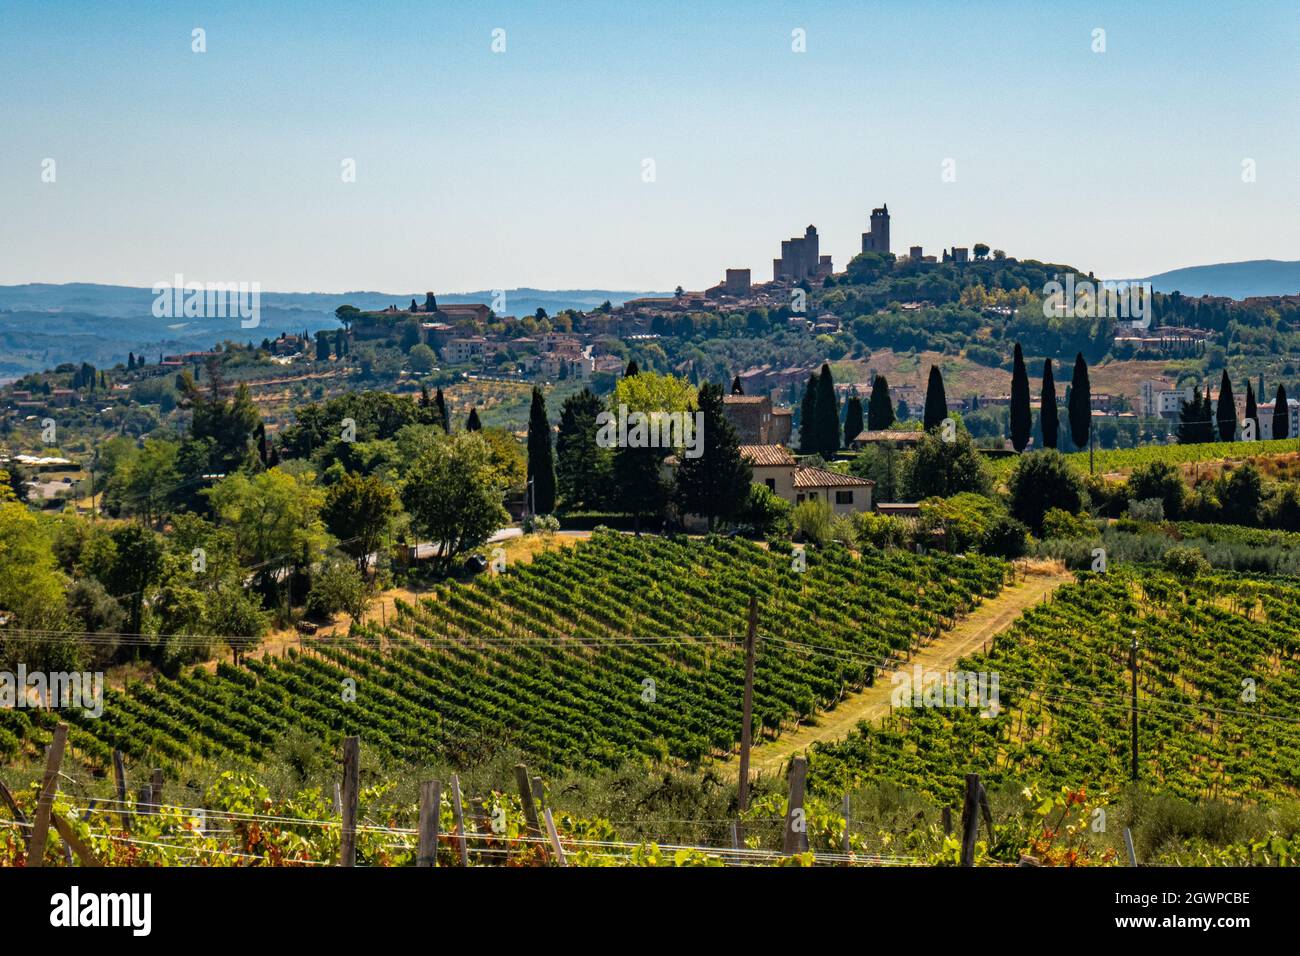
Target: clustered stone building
x=801 y=258
x=877 y=240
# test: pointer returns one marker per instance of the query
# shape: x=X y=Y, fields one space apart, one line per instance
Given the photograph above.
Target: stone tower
x=877 y=240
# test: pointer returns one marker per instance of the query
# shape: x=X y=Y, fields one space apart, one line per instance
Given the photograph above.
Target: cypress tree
x=853 y=424
x=1252 y=409
x=1021 y=419
x=632 y=369
x=1281 y=414
x=880 y=407
x=1080 y=406
x=736 y=387
x=1048 y=417
x=541 y=461
x=828 y=415
x=1226 y=413
x=936 y=400
x=444 y=416
x=472 y=424
x=714 y=484
x=808 y=417
x=130 y=361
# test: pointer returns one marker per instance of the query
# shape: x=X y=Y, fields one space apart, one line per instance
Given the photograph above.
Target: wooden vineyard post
x=72 y=843
x=45 y=804
x=1128 y=846
x=747 y=714
x=555 y=838
x=987 y=812
x=351 y=793
x=947 y=821
x=119 y=781
x=530 y=807
x=155 y=791
x=847 y=846
x=430 y=805
x=970 y=820
x=459 y=814
x=796 y=827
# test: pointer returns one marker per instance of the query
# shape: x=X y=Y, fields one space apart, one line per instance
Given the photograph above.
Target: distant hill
x=1238 y=280
x=43 y=325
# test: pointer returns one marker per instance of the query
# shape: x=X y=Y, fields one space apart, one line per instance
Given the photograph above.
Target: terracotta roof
x=783 y=411
x=806 y=476
x=744 y=399
x=766 y=455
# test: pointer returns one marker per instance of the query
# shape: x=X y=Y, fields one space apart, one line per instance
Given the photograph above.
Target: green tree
x=136 y=565
x=936 y=400
x=1226 y=413
x=1042 y=481
x=1252 y=409
x=443 y=413
x=1080 y=405
x=1161 y=480
x=472 y=424
x=938 y=468
x=1281 y=415
x=828 y=415
x=359 y=512
x=880 y=407
x=1021 y=418
x=421 y=358
x=808 y=418
x=1196 y=419
x=854 y=423
x=582 y=467
x=541 y=461
x=1048 y=417
x=453 y=496
x=714 y=484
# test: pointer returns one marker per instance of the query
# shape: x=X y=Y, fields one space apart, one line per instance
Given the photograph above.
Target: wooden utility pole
x=430 y=805
x=350 y=796
x=1133 y=668
x=747 y=706
x=796 y=825
x=45 y=803
x=459 y=814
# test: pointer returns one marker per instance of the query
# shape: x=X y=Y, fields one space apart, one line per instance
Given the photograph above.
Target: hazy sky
x=483 y=170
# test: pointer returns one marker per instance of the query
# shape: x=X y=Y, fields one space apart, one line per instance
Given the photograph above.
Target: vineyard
x=617 y=648
x=1218 y=683
x=1127 y=459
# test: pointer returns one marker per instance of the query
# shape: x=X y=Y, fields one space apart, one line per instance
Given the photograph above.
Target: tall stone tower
x=877 y=240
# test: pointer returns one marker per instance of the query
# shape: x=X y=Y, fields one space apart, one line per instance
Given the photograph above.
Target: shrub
x=812 y=522
x=1186 y=564
x=337 y=586
x=1160 y=480
x=1059 y=523
x=1005 y=538
x=872 y=530
x=1148 y=509
x=765 y=511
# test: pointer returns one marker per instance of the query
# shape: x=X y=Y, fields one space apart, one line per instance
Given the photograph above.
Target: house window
x=812 y=496
x=771 y=483
x=798 y=499
x=844 y=497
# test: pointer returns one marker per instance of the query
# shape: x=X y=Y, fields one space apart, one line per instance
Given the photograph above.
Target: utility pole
x=1133 y=669
x=747 y=708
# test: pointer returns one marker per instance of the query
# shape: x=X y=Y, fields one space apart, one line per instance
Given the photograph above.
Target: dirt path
x=970 y=634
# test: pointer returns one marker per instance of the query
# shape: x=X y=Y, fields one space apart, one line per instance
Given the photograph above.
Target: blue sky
x=482 y=170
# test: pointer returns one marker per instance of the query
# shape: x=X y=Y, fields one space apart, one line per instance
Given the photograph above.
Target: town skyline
x=565 y=152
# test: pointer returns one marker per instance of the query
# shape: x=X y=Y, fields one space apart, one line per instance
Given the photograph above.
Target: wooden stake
x=555 y=838
x=119 y=779
x=987 y=812
x=1128 y=845
x=72 y=843
x=526 y=797
x=460 y=820
x=45 y=804
x=156 y=790
x=847 y=845
x=430 y=805
x=796 y=827
x=351 y=794
x=970 y=821
x=947 y=821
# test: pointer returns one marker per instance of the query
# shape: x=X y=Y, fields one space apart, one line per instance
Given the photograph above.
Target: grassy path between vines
x=990 y=618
